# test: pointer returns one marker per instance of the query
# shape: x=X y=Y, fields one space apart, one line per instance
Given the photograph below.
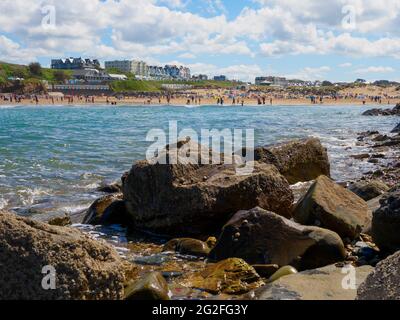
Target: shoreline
x=128 y=103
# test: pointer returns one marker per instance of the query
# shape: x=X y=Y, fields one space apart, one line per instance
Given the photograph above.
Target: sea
x=54 y=158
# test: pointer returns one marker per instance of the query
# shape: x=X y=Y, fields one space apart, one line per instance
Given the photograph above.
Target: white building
x=121 y=65
x=138 y=68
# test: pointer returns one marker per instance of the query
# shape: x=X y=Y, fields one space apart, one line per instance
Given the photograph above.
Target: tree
x=35 y=69
x=60 y=76
x=327 y=84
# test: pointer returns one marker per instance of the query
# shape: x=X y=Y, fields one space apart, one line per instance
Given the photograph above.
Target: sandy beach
x=370 y=96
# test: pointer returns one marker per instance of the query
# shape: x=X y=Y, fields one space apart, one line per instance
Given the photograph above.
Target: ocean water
x=52 y=159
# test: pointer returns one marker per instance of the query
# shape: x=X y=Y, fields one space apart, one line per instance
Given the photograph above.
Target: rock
x=396 y=129
x=60 y=221
x=368 y=190
x=383 y=283
x=282 y=272
x=95 y=212
x=360 y=156
x=85 y=269
x=211 y=242
x=115 y=187
x=383 y=112
x=188 y=246
x=331 y=206
x=298 y=161
x=231 y=276
x=386 y=222
x=116 y=213
x=320 y=284
x=262 y=237
x=151 y=287
x=175 y=199
x=266 y=270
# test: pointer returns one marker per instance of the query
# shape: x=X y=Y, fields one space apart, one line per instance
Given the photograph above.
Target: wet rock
x=383 y=283
x=331 y=206
x=116 y=213
x=60 y=221
x=231 y=276
x=396 y=129
x=188 y=246
x=298 y=161
x=282 y=272
x=391 y=142
x=266 y=270
x=383 y=112
x=381 y=137
x=111 y=188
x=85 y=269
x=211 y=242
x=320 y=284
x=386 y=222
x=368 y=190
x=95 y=212
x=151 y=287
x=262 y=237
x=174 y=199
x=360 y=156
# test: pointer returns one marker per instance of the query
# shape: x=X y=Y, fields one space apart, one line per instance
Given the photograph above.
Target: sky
x=336 y=40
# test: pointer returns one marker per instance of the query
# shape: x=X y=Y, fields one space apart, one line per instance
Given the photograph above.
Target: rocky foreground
x=250 y=238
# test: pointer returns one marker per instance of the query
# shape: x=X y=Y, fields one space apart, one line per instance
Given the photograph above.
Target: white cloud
x=153 y=28
x=374 y=69
x=309 y=73
x=346 y=65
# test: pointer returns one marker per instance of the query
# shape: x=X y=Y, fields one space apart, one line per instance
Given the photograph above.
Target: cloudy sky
x=338 y=40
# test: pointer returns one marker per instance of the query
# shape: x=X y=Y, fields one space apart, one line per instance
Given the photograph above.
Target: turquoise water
x=52 y=159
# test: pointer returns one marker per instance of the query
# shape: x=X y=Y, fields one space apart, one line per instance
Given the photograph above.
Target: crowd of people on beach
x=197 y=97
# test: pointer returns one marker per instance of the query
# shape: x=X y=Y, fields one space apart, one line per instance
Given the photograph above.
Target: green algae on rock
x=232 y=276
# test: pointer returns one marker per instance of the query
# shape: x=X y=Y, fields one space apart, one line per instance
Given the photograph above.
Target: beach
x=369 y=96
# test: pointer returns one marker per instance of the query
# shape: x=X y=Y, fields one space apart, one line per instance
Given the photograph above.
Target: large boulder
x=386 y=222
x=188 y=246
x=298 y=160
x=150 y=287
x=368 y=190
x=320 y=284
x=383 y=112
x=383 y=283
x=231 y=276
x=85 y=269
x=190 y=199
x=95 y=213
x=108 y=210
x=329 y=205
x=262 y=237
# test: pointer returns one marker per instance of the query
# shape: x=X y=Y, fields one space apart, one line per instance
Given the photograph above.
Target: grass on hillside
x=156 y=86
x=8 y=70
x=20 y=71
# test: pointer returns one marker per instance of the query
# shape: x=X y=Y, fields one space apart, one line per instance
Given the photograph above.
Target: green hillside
x=33 y=73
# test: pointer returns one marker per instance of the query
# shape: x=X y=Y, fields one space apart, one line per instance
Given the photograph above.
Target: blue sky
x=337 y=40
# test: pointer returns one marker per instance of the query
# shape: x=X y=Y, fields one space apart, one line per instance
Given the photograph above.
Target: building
x=272 y=81
x=200 y=77
x=184 y=73
x=172 y=71
x=125 y=66
x=157 y=73
x=75 y=64
x=140 y=69
x=95 y=76
x=220 y=78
